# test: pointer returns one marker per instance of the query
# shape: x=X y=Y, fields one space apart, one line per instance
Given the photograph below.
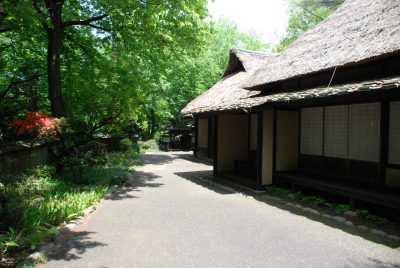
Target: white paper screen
x=336 y=131
x=364 y=132
x=311 y=131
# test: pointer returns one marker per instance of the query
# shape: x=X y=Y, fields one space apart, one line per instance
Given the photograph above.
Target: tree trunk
x=152 y=123
x=55 y=35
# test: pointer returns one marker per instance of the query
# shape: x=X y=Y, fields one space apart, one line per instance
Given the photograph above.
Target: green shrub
x=315 y=200
x=9 y=240
x=341 y=208
x=299 y=195
x=33 y=204
x=94 y=147
x=278 y=191
x=329 y=205
x=120 y=180
x=125 y=145
x=149 y=145
x=363 y=213
x=93 y=153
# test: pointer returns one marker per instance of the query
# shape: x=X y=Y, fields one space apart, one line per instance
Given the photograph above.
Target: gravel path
x=173 y=218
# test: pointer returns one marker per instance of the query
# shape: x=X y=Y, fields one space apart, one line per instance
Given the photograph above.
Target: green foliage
x=149 y=145
x=125 y=144
x=119 y=180
x=123 y=161
x=135 y=77
x=110 y=70
x=278 y=191
x=32 y=205
x=9 y=240
x=303 y=15
x=341 y=208
x=329 y=205
x=299 y=195
x=363 y=213
x=314 y=200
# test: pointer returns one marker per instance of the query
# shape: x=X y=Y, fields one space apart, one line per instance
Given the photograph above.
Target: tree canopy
x=110 y=66
x=303 y=15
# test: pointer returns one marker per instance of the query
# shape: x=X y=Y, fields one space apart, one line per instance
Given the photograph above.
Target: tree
x=190 y=75
x=162 y=19
x=121 y=66
x=303 y=15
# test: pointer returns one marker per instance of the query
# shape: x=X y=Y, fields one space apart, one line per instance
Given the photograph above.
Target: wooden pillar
x=260 y=127
x=196 y=136
x=384 y=150
x=209 y=138
x=215 y=145
x=274 y=140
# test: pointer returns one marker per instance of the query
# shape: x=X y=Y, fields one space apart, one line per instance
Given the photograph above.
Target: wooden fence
x=19 y=156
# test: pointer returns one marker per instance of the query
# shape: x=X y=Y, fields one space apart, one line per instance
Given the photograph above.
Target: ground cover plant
x=35 y=203
x=321 y=202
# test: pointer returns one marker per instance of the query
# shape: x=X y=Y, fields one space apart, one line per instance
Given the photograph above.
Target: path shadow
x=136 y=180
x=282 y=204
x=157 y=159
x=190 y=157
x=372 y=263
x=73 y=245
x=221 y=186
x=204 y=179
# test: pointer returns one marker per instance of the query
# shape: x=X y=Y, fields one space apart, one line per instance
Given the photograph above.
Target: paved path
x=171 y=218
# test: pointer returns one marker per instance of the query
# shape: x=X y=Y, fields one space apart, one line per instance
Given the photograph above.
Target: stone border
x=337 y=218
x=66 y=229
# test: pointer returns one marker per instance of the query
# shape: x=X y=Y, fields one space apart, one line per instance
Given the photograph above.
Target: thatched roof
x=241 y=64
x=358 y=31
x=318 y=92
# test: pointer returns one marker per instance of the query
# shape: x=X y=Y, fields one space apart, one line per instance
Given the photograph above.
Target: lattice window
x=336 y=131
x=364 y=132
x=394 y=133
x=311 y=131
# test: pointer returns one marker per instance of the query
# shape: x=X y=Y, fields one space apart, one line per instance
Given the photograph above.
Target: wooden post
x=384 y=150
x=274 y=140
x=260 y=127
x=196 y=136
x=215 y=158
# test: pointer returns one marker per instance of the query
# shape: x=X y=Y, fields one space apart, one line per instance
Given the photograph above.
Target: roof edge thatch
x=356 y=33
x=242 y=63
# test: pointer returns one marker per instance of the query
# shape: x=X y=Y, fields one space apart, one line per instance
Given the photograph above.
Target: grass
x=34 y=204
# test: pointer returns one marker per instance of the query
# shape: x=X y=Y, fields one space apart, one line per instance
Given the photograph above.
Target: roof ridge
x=233 y=50
x=358 y=32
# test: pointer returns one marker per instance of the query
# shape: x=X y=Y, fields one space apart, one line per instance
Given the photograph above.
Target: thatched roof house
x=324 y=114
x=357 y=32
x=227 y=92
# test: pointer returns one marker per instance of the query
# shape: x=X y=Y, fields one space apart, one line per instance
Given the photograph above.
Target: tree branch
x=309 y=11
x=14 y=83
x=100 y=28
x=5 y=47
x=85 y=22
x=3 y=30
x=70 y=38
